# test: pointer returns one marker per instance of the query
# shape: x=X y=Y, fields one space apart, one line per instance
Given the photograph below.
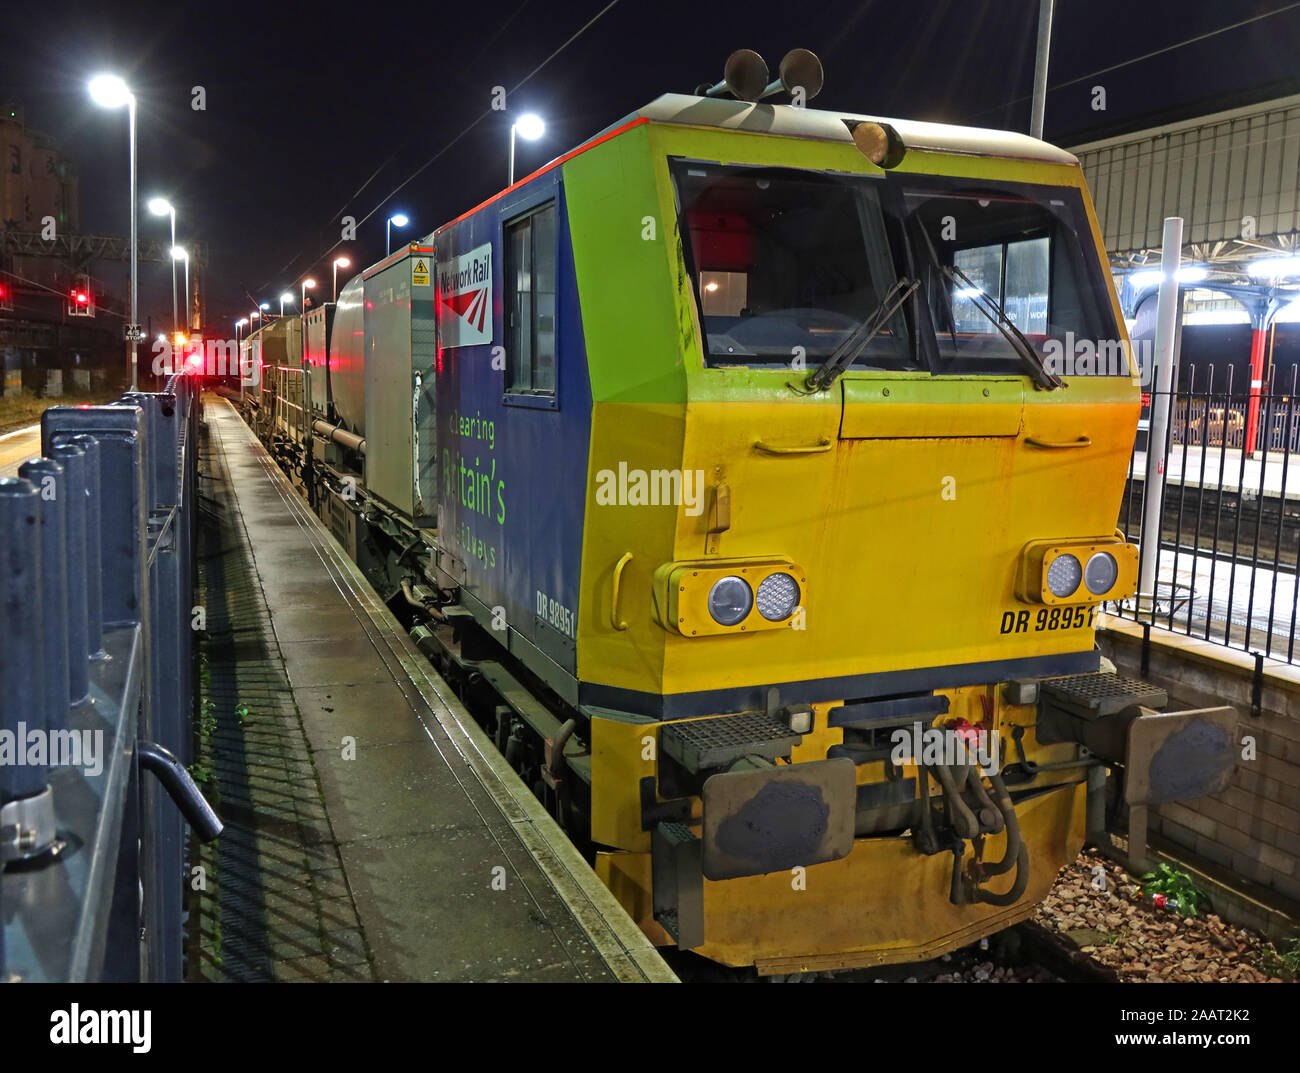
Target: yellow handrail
x=614 y=620
x=1082 y=441
x=820 y=447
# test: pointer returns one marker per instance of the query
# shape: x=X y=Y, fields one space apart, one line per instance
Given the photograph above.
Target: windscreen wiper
x=987 y=305
x=857 y=341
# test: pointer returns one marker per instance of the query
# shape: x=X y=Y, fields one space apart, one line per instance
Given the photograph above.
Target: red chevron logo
x=471 y=306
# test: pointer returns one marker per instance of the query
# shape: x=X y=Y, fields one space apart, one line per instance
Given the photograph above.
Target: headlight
x=1063 y=576
x=1101 y=573
x=730 y=600
x=778 y=596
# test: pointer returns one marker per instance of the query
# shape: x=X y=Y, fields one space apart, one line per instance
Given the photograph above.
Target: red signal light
x=82 y=298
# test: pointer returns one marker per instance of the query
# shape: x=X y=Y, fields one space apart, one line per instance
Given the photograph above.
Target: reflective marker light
x=879 y=143
x=778 y=596
x=1101 y=573
x=730 y=600
x=1063 y=576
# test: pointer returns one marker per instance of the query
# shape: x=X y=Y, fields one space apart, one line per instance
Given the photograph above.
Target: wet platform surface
x=371 y=827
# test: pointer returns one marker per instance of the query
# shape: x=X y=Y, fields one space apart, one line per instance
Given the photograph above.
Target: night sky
x=310 y=116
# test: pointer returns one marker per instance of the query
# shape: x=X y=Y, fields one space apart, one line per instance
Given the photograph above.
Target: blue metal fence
x=96 y=688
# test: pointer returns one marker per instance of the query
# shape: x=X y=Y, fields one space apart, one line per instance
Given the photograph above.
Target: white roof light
x=1152 y=276
x=1274 y=267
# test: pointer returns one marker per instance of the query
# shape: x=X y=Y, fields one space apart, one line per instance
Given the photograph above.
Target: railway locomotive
x=722 y=464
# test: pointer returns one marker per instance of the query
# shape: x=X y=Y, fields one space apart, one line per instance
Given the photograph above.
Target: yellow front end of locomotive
x=759 y=540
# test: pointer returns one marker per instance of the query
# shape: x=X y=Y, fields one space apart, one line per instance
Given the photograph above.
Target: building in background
x=60 y=327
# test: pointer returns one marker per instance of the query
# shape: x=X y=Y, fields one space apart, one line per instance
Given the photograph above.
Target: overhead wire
x=458 y=137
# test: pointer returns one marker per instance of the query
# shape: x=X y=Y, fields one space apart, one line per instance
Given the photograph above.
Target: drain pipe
x=1162 y=388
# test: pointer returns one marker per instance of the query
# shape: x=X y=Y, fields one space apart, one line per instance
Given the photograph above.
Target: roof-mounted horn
x=744 y=77
x=800 y=74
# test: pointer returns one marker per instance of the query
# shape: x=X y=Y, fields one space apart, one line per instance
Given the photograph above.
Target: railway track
x=1250 y=529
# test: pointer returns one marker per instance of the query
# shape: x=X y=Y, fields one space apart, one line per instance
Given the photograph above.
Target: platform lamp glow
x=530 y=128
x=285 y=297
x=401 y=221
x=339 y=262
x=109 y=91
x=307 y=285
x=162 y=207
x=241 y=323
x=179 y=253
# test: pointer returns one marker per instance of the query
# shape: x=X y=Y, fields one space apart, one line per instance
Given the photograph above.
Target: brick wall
x=1252 y=829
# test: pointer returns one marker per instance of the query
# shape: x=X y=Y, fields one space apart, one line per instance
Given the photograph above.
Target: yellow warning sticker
x=420 y=273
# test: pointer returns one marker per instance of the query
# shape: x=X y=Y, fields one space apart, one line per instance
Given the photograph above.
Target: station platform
x=373 y=832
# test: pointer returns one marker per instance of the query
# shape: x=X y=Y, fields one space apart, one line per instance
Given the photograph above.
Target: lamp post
x=307 y=285
x=162 y=207
x=400 y=221
x=239 y=324
x=339 y=262
x=528 y=127
x=179 y=253
x=286 y=297
x=109 y=91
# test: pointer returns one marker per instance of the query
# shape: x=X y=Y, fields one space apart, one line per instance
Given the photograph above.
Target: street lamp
x=528 y=127
x=179 y=253
x=286 y=297
x=339 y=262
x=162 y=207
x=109 y=91
x=400 y=221
x=307 y=285
x=239 y=324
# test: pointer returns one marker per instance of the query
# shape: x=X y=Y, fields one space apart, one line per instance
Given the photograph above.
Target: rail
x=96 y=692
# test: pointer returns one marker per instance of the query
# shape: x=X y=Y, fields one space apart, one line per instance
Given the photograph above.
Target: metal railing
x=1230 y=523
x=96 y=687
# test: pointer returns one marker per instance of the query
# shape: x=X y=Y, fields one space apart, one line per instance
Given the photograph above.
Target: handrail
x=614 y=620
x=1059 y=445
x=820 y=447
